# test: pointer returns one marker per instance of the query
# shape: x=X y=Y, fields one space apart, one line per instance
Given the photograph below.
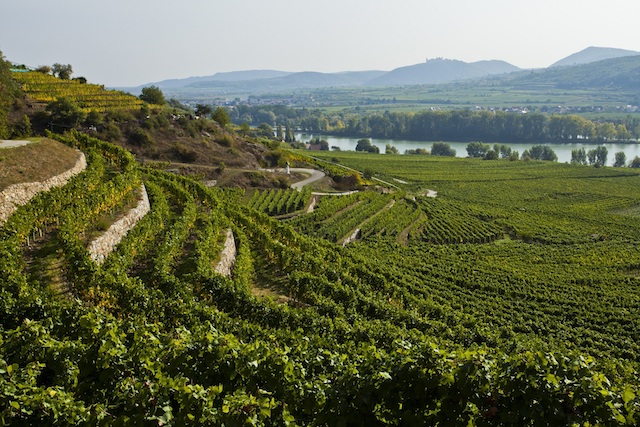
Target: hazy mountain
x=442 y=71
x=238 y=76
x=302 y=80
x=593 y=54
x=617 y=73
x=590 y=69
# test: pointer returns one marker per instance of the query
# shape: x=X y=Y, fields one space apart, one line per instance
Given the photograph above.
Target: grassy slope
x=35 y=162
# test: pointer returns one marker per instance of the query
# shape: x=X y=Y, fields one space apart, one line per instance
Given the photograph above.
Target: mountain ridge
x=592 y=54
x=433 y=71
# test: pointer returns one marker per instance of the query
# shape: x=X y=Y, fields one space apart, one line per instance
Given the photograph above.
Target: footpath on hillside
x=10 y=144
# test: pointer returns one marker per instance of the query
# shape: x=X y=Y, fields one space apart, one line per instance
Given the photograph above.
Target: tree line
x=596 y=157
x=452 y=125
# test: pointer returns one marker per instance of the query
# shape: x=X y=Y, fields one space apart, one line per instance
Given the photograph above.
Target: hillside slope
x=440 y=70
x=593 y=54
x=616 y=73
x=437 y=332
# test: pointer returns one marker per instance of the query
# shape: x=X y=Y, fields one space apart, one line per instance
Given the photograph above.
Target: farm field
x=511 y=298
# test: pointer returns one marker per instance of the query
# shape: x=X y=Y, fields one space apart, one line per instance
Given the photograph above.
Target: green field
x=511 y=298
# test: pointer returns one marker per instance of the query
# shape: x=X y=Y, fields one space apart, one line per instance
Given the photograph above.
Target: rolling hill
x=442 y=71
x=593 y=54
x=432 y=72
x=617 y=73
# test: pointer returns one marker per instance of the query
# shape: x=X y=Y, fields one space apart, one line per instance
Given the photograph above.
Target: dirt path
x=316 y=175
x=10 y=144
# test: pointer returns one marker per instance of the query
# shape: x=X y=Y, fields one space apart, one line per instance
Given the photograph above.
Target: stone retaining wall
x=102 y=246
x=228 y=256
x=353 y=237
x=17 y=195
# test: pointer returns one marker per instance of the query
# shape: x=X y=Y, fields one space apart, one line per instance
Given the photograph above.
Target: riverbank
x=563 y=151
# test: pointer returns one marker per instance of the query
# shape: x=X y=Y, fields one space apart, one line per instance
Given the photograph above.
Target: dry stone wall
x=17 y=195
x=102 y=246
x=228 y=256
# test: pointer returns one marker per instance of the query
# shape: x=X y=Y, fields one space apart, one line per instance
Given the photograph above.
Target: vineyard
x=510 y=299
x=46 y=88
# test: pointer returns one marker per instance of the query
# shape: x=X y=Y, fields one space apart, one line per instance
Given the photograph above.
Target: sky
x=122 y=43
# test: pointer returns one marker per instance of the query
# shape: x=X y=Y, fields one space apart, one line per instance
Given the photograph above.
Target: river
x=563 y=151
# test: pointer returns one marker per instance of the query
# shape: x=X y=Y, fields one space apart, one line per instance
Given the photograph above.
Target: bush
x=225 y=140
x=65 y=113
x=140 y=138
x=111 y=132
x=22 y=129
x=120 y=116
x=94 y=118
x=221 y=116
x=184 y=153
x=491 y=155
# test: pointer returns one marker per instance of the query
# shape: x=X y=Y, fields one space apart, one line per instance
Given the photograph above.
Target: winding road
x=316 y=175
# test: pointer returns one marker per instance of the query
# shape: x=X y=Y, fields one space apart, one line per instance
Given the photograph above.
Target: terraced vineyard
x=46 y=88
x=511 y=299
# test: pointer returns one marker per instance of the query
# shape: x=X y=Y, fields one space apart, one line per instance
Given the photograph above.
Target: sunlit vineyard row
x=398 y=328
x=280 y=202
x=46 y=88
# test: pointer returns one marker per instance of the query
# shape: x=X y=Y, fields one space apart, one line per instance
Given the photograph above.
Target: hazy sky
x=132 y=42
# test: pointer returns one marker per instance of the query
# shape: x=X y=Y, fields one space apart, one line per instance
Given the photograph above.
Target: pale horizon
x=131 y=43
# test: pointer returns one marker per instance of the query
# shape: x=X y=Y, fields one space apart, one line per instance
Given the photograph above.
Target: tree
x=245 y=128
x=94 y=118
x=542 y=152
x=289 y=136
x=442 y=149
x=265 y=129
x=492 y=155
x=605 y=131
x=44 y=69
x=635 y=163
x=503 y=150
x=280 y=133
x=203 y=110
x=579 y=156
x=65 y=113
x=363 y=145
x=221 y=116
x=22 y=129
x=477 y=149
x=622 y=133
x=152 y=95
x=620 y=159
x=9 y=92
x=62 y=71
x=390 y=149
x=598 y=156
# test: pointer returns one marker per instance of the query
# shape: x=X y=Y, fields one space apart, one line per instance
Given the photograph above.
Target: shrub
x=111 y=132
x=225 y=140
x=140 y=137
x=184 y=153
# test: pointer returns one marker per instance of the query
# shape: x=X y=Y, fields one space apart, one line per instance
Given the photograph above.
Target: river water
x=563 y=151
